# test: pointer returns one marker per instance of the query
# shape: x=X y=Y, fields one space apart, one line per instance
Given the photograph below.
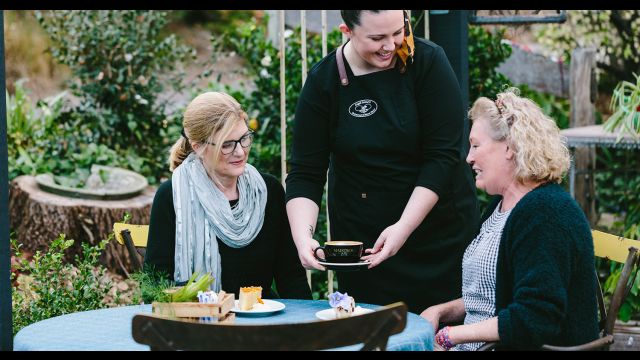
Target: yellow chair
x=134 y=237
x=371 y=329
x=620 y=250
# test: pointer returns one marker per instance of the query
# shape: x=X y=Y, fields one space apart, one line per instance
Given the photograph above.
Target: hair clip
x=183 y=134
x=500 y=106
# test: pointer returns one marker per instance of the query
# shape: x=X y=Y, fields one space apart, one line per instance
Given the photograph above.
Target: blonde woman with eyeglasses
x=218 y=214
x=528 y=277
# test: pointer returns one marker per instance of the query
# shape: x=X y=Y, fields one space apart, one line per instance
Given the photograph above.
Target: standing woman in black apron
x=386 y=118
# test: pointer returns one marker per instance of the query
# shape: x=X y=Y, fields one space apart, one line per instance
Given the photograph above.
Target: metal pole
x=303 y=44
x=6 y=326
x=323 y=19
x=426 y=24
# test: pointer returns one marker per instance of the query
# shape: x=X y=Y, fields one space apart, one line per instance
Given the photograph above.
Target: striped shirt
x=479 y=273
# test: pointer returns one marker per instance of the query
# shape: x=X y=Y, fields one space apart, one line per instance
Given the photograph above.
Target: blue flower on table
x=339 y=300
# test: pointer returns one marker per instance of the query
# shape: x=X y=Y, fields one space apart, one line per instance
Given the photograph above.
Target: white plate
x=269 y=307
x=330 y=314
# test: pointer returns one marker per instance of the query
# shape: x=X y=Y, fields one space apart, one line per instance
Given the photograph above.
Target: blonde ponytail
x=179 y=151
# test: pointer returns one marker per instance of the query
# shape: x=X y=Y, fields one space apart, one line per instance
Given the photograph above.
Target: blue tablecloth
x=110 y=329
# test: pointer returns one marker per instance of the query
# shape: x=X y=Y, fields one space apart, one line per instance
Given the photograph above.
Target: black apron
x=375 y=162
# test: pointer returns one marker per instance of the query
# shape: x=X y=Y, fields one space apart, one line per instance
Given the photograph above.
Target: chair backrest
x=372 y=329
x=621 y=250
x=134 y=237
x=139 y=233
x=614 y=248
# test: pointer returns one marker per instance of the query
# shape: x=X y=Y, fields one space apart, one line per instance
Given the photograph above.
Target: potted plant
x=625 y=104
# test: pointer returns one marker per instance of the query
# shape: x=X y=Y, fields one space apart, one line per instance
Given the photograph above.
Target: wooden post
x=583 y=63
x=283 y=99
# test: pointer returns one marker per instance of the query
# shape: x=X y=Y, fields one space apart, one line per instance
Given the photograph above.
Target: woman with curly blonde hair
x=528 y=277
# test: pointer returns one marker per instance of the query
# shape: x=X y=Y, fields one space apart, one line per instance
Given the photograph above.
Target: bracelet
x=442 y=338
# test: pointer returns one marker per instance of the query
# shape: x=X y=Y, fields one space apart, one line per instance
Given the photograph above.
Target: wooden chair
x=134 y=237
x=620 y=250
x=372 y=329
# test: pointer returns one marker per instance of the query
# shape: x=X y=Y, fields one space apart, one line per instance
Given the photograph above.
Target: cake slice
x=346 y=309
x=342 y=304
x=249 y=296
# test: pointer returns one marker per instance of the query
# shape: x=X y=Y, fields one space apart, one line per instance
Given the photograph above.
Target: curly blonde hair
x=541 y=154
x=209 y=114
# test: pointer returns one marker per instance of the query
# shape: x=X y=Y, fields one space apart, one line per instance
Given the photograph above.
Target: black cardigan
x=271 y=256
x=545 y=276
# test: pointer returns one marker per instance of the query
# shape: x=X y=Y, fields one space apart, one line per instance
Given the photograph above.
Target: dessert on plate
x=249 y=297
x=342 y=304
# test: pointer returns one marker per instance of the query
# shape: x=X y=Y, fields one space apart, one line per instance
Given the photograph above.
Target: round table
x=110 y=329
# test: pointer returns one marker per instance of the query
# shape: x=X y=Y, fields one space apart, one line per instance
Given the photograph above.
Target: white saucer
x=345 y=266
x=269 y=307
x=330 y=314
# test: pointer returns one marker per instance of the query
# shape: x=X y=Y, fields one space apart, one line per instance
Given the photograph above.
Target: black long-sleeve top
x=271 y=256
x=381 y=136
x=545 y=277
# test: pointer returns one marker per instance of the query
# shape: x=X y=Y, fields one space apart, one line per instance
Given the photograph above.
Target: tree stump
x=37 y=217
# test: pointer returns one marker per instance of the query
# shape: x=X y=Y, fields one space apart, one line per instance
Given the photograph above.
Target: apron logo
x=363 y=108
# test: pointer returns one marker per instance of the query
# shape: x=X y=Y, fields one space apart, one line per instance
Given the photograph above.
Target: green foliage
x=618 y=192
x=486 y=53
x=39 y=143
x=618 y=188
x=615 y=34
x=631 y=304
x=121 y=63
x=152 y=286
x=46 y=286
x=625 y=104
x=190 y=290
x=216 y=21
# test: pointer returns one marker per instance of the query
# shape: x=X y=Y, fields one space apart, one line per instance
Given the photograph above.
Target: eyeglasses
x=229 y=146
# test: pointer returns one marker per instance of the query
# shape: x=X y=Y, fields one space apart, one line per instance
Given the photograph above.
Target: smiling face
x=227 y=167
x=232 y=165
x=491 y=160
x=377 y=37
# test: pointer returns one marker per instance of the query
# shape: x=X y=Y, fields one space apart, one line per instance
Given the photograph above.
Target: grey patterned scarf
x=203 y=215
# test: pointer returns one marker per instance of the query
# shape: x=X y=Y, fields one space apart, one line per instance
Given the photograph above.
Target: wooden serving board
x=195 y=309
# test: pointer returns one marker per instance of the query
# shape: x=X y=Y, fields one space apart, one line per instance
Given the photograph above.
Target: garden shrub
x=121 y=64
x=46 y=286
x=486 y=53
x=38 y=142
x=618 y=192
